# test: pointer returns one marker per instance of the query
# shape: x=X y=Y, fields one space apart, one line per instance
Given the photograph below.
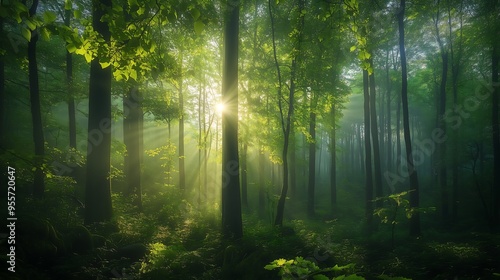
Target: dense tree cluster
x=274 y=107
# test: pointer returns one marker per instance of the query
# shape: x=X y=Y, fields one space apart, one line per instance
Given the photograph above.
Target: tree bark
x=262 y=183
x=455 y=71
x=182 y=170
x=375 y=140
x=412 y=172
x=36 y=115
x=98 y=207
x=368 y=155
x=333 y=160
x=244 y=176
x=131 y=133
x=293 y=162
x=286 y=121
x=232 y=227
x=312 y=156
x=389 y=115
x=69 y=82
x=495 y=58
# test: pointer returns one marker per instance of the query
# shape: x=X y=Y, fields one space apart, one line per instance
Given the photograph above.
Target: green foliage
x=167 y=156
x=299 y=268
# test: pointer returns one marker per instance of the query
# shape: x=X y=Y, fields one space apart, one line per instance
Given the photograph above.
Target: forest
x=250 y=139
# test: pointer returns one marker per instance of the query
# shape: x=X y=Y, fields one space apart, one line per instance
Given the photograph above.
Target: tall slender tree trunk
x=398 y=135
x=312 y=156
x=412 y=172
x=293 y=162
x=36 y=115
x=333 y=160
x=98 y=207
x=442 y=160
x=244 y=175
x=286 y=121
x=389 y=115
x=360 y=160
x=231 y=202
x=200 y=144
x=455 y=71
x=131 y=133
x=182 y=170
x=71 y=94
x=495 y=58
x=368 y=155
x=442 y=175
x=375 y=140
x=262 y=182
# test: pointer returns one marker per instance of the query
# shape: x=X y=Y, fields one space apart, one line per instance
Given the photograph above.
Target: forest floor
x=171 y=239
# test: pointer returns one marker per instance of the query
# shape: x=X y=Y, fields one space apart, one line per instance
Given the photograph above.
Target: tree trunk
x=98 y=207
x=361 y=162
x=262 y=183
x=333 y=161
x=398 y=136
x=368 y=155
x=375 y=140
x=182 y=171
x=231 y=202
x=201 y=119
x=244 y=173
x=495 y=57
x=442 y=173
x=36 y=115
x=286 y=121
x=455 y=71
x=312 y=157
x=293 y=162
x=414 y=195
x=69 y=82
x=131 y=133
x=389 y=124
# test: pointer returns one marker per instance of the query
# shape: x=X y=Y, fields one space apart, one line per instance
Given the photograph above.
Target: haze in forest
x=246 y=139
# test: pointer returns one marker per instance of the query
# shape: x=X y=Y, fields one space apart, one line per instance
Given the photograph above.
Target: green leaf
x=117 y=8
x=68 y=5
x=320 y=277
x=18 y=18
x=45 y=33
x=104 y=64
x=354 y=277
x=133 y=74
x=344 y=267
x=77 y=14
x=270 y=266
x=31 y=24
x=140 y=11
x=71 y=47
x=353 y=48
x=88 y=57
x=195 y=13
x=385 y=277
x=49 y=17
x=26 y=33
x=198 y=27
x=20 y=7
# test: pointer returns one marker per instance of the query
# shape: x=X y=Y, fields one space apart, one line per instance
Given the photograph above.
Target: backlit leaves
x=26 y=33
x=198 y=27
